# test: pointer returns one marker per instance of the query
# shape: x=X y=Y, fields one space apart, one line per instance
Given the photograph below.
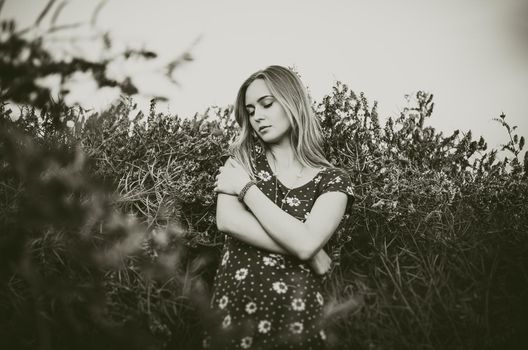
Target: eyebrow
x=260 y=99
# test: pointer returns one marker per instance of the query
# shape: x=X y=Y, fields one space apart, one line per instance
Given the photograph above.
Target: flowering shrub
x=113 y=215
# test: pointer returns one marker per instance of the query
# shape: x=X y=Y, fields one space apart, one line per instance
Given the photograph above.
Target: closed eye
x=252 y=112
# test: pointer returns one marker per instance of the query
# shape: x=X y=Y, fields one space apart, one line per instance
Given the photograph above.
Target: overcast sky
x=471 y=54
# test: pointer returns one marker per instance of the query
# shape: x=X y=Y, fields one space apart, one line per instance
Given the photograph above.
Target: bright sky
x=471 y=54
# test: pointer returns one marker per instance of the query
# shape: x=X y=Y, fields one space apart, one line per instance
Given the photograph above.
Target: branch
x=57 y=12
x=96 y=12
x=44 y=12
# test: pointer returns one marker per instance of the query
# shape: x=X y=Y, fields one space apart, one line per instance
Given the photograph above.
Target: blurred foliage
x=77 y=270
x=26 y=58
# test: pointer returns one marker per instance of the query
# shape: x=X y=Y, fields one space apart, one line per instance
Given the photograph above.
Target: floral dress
x=272 y=301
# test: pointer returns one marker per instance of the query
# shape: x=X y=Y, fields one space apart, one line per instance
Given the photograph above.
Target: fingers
x=216 y=189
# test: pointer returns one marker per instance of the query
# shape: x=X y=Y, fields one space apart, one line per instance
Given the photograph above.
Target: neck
x=283 y=155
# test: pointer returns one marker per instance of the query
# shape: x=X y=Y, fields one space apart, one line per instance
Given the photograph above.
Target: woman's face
x=266 y=115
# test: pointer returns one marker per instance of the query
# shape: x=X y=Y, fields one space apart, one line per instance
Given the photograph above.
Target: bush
x=432 y=254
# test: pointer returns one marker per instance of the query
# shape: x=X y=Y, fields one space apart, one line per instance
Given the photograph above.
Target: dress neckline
x=268 y=166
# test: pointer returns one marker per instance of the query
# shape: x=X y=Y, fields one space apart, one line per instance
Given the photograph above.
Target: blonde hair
x=305 y=136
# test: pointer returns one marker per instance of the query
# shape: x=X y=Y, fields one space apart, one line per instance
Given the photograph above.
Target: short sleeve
x=337 y=180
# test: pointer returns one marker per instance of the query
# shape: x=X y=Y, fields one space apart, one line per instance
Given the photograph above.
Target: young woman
x=279 y=201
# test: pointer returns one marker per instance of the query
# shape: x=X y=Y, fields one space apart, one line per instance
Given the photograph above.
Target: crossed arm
x=233 y=218
x=268 y=227
x=302 y=239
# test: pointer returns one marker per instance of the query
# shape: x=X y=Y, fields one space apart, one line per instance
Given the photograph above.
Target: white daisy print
x=241 y=274
x=280 y=287
x=335 y=181
x=279 y=259
x=225 y=257
x=322 y=334
x=251 y=307
x=293 y=201
x=223 y=302
x=296 y=327
x=264 y=175
x=317 y=179
x=305 y=268
x=319 y=297
x=226 y=322
x=306 y=215
x=269 y=261
x=206 y=342
x=264 y=326
x=298 y=304
x=246 y=342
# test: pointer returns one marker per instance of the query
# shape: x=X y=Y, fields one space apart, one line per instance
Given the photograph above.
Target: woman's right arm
x=233 y=218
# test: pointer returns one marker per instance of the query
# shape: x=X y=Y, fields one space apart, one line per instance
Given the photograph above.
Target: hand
x=231 y=178
x=320 y=262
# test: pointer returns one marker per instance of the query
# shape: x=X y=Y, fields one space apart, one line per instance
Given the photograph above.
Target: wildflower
x=322 y=334
x=280 y=287
x=241 y=274
x=349 y=190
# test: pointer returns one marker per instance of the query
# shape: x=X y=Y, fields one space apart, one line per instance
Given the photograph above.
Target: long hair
x=305 y=135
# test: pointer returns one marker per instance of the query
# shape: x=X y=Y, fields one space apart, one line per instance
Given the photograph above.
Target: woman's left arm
x=303 y=238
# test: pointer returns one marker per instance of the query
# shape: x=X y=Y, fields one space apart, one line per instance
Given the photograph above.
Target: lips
x=263 y=127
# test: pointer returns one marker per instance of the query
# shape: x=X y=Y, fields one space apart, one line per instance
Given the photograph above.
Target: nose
x=259 y=114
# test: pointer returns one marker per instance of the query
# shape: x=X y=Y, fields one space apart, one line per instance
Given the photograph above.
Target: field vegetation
x=108 y=236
